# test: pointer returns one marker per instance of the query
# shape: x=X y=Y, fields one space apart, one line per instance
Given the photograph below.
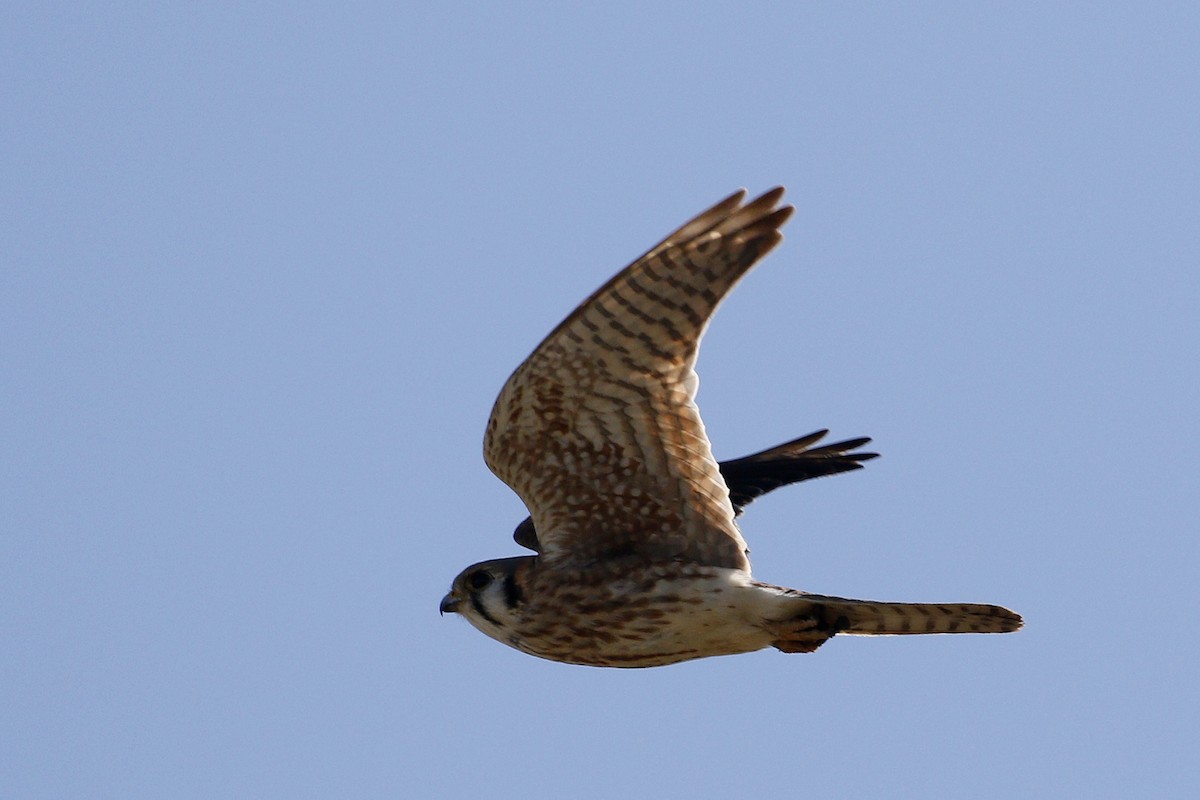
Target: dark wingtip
x=526 y=535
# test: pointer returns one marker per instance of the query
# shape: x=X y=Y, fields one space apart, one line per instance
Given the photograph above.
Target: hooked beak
x=449 y=604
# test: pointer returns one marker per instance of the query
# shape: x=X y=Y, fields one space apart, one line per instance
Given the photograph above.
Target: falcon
x=639 y=560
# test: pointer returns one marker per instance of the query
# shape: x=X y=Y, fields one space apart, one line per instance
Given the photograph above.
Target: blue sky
x=265 y=269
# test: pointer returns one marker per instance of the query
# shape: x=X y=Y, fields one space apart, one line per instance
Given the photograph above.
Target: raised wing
x=752 y=476
x=598 y=430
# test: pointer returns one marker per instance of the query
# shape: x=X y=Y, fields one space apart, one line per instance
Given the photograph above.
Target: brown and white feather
x=598 y=430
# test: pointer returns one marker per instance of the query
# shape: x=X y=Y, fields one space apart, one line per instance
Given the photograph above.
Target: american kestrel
x=639 y=561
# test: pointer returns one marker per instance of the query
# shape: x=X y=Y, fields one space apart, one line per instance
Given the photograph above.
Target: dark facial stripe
x=478 y=604
x=512 y=593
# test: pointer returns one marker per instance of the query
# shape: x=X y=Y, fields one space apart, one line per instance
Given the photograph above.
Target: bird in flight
x=639 y=561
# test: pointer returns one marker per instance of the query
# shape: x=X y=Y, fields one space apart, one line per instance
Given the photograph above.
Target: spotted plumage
x=639 y=560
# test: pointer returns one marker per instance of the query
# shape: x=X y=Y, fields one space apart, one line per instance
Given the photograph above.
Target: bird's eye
x=478 y=580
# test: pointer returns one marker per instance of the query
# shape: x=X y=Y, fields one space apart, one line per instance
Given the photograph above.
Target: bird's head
x=490 y=595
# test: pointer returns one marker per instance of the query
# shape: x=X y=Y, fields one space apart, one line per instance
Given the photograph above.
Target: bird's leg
x=806 y=631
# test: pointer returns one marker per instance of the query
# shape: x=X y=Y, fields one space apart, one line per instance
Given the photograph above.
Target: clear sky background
x=264 y=269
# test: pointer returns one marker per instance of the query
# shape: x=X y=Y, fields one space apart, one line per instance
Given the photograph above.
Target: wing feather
x=598 y=430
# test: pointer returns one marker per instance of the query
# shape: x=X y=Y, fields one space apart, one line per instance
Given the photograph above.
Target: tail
x=819 y=618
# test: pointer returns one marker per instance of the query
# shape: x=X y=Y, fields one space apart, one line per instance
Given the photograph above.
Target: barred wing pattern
x=598 y=430
x=752 y=476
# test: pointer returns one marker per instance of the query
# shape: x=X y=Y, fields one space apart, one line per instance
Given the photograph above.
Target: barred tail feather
x=870 y=618
x=818 y=618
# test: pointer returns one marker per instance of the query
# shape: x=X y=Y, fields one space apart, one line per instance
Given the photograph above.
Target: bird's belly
x=671 y=622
